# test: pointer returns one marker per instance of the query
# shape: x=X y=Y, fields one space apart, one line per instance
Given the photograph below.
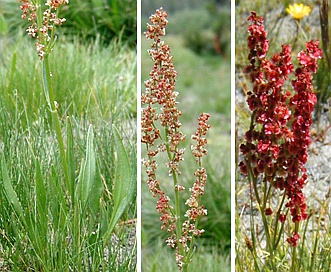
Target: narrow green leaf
x=104 y=220
x=58 y=209
x=70 y=159
x=40 y=191
x=89 y=188
x=40 y=218
x=124 y=183
x=9 y=190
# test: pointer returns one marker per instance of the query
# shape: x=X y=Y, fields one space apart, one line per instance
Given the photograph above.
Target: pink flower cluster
x=160 y=133
x=161 y=106
x=196 y=210
x=275 y=147
x=49 y=21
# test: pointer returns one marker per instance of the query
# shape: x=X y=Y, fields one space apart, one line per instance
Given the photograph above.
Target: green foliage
x=218 y=203
x=44 y=225
x=107 y=18
x=3 y=25
x=91 y=19
x=149 y=6
x=204 y=30
x=100 y=80
x=188 y=20
x=88 y=189
x=192 y=25
x=125 y=183
x=161 y=259
x=221 y=24
x=9 y=190
x=312 y=251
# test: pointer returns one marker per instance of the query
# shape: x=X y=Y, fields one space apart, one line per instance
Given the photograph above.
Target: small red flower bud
x=243 y=168
x=293 y=240
x=282 y=218
x=268 y=212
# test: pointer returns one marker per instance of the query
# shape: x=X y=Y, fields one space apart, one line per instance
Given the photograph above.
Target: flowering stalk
x=160 y=133
x=275 y=147
x=298 y=12
x=43 y=24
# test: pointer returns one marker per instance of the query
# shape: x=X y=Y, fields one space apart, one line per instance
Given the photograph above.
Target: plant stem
x=261 y=207
x=293 y=266
x=277 y=234
x=175 y=180
x=49 y=94
x=294 y=251
x=301 y=29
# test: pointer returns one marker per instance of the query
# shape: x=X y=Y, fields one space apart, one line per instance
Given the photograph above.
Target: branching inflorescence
x=42 y=23
x=161 y=133
x=275 y=147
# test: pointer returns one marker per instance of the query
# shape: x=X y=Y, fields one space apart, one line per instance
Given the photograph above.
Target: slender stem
x=40 y=19
x=177 y=199
x=294 y=256
x=191 y=250
x=48 y=90
x=301 y=29
x=303 y=239
x=278 y=235
x=267 y=233
x=294 y=251
x=261 y=206
x=251 y=217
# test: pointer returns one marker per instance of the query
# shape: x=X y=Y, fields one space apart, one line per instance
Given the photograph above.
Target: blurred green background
x=203 y=25
x=88 y=19
x=199 y=37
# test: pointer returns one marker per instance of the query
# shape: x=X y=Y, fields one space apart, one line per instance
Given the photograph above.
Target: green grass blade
x=124 y=183
x=9 y=190
x=3 y=25
x=41 y=197
x=12 y=71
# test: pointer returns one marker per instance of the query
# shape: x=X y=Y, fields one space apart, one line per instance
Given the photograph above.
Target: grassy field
x=49 y=221
x=203 y=84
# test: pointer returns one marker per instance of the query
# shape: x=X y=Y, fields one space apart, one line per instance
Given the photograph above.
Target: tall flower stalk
x=275 y=147
x=161 y=134
x=44 y=19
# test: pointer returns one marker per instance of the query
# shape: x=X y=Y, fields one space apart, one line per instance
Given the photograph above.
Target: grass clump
x=68 y=164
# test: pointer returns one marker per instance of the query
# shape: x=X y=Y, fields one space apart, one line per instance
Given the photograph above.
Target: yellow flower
x=298 y=11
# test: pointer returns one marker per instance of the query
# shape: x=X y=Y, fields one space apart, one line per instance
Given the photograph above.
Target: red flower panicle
x=275 y=147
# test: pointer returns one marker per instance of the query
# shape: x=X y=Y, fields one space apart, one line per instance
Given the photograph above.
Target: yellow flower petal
x=298 y=11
